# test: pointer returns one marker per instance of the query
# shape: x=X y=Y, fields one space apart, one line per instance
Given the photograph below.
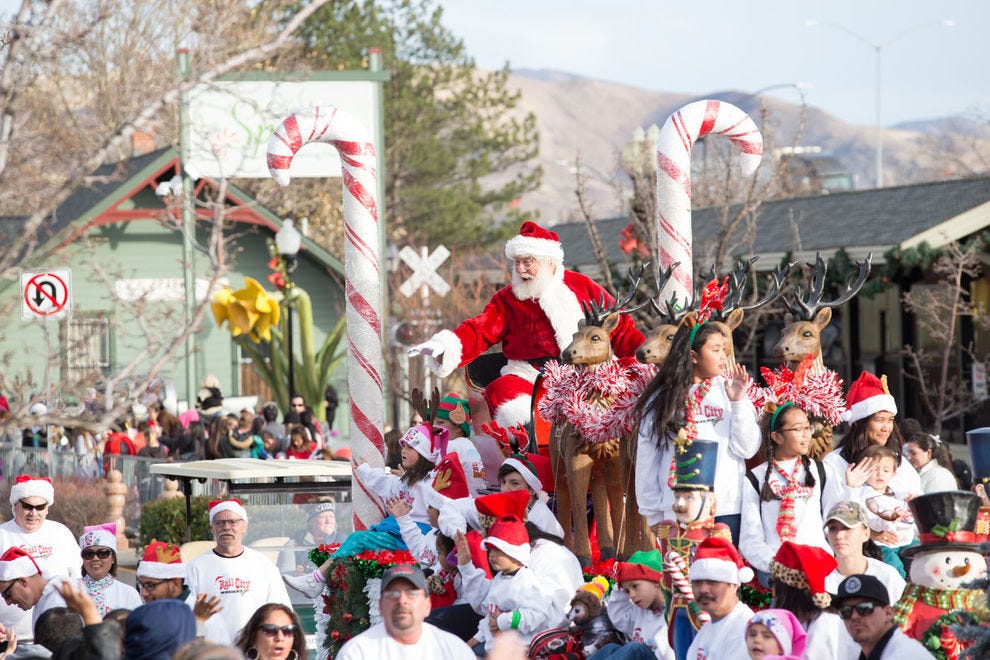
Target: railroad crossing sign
x=424 y=267
x=46 y=294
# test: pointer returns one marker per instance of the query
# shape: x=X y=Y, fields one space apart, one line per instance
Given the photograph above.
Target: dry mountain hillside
x=592 y=120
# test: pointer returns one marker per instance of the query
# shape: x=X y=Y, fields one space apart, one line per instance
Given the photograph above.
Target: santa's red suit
x=530 y=330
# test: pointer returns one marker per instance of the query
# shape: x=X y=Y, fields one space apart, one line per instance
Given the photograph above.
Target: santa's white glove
x=431 y=350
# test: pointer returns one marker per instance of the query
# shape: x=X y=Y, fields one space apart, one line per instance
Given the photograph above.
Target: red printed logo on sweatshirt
x=232 y=585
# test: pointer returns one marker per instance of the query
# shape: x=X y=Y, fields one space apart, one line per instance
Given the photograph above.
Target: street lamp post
x=287 y=242
x=878 y=50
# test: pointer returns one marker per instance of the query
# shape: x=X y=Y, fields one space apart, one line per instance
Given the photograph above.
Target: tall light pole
x=878 y=50
x=288 y=241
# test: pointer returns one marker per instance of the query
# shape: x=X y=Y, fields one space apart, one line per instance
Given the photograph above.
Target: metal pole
x=188 y=228
x=375 y=63
x=879 y=136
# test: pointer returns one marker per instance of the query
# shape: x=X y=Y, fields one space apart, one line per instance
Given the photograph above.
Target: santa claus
x=534 y=319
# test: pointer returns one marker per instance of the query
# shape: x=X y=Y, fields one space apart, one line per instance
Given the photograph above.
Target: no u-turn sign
x=46 y=294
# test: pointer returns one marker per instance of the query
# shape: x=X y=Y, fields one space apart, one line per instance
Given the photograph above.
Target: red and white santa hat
x=161 y=561
x=534 y=241
x=535 y=470
x=868 y=395
x=17 y=563
x=804 y=567
x=104 y=535
x=233 y=505
x=511 y=503
x=28 y=486
x=449 y=482
x=718 y=560
x=431 y=446
x=510 y=536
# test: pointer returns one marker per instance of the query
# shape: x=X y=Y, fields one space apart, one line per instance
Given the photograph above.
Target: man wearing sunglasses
x=864 y=606
x=49 y=543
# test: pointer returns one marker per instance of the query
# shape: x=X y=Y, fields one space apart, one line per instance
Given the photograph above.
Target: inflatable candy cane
x=361 y=273
x=678 y=135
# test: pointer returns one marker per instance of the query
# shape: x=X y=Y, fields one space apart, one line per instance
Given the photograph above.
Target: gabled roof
x=860 y=221
x=108 y=199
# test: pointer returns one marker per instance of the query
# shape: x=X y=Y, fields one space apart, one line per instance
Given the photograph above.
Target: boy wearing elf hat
x=514 y=598
x=534 y=319
x=637 y=608
x=161 y=573
x=454 y=414
x=51 y=544
x=243 y=578
x=523 y=472
x=716 y=573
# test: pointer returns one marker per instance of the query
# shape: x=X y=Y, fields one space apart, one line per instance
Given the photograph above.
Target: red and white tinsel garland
x=819 y=394
x=575 y=394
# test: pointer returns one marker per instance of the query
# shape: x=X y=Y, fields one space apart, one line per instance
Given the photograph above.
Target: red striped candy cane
x=678 y=135
x=361 y=274
x=677 y=567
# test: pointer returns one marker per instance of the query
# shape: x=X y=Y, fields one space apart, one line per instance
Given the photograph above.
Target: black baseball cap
x=413 y=574
x=862 y=586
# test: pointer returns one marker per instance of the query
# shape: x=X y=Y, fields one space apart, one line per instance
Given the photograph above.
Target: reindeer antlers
x=426 y=409
x=737 y=286
x=805 y=309
x=595 y=312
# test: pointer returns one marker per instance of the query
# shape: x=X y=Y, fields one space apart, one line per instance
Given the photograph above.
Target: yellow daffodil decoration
x=249 y=311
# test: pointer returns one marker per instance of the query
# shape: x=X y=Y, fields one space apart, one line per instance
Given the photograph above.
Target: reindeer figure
x=582 y=460
x=806 y=319
x=800 y=344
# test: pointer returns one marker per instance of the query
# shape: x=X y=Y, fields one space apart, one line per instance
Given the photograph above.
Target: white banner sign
x=230 y=123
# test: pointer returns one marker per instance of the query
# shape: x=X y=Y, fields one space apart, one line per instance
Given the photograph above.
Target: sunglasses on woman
x=270 y=629
x=863 y=609
x=102 y=553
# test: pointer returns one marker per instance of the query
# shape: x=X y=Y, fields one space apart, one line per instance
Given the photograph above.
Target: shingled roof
x=860 y=221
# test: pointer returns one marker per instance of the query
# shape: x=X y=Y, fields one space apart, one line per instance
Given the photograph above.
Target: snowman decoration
x=943 y=568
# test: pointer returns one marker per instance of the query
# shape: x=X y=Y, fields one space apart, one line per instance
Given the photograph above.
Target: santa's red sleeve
x=473 y=336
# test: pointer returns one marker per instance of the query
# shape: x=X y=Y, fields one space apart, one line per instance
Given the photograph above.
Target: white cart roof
x=231 y=469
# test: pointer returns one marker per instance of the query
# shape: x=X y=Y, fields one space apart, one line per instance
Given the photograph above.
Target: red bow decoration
x=629 y=242
x=712 y=297
x=504 y=436
x=26 y=477
x=960 y=536
x=213 y=503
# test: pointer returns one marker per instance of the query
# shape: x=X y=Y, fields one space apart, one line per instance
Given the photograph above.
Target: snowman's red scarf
x=971 y=600
x=599 y=401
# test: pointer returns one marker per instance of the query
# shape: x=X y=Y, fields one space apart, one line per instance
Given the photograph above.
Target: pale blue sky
x=701 y=47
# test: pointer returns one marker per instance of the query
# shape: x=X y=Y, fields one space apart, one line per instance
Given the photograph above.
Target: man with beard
x=716 y=573
x=534 y=319
x=242 y=578
x=404 y=604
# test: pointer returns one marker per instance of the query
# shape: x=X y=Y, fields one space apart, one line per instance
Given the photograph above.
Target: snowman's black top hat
x=945 y=522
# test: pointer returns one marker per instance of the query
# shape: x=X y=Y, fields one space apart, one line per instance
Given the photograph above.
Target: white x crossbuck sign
x=424 y=267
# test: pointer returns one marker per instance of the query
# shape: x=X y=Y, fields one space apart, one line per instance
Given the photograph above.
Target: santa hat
x=15 y=563
x=233 y=505
x=502 y=505
x=509 y=535
x=783 y=625
x=455 y=410
x=28 y=486
x=161 y=561
x=804 y=567
x=449 y=482
x=534 y=241
x=534 y=469
x=431 y=446
x=104 y=535
x=716 y=559
x=642 y=565
x=868 y=395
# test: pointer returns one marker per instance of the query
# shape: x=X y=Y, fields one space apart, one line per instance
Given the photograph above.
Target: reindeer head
x=656 y=344
x=806 y=319
x=592 y=343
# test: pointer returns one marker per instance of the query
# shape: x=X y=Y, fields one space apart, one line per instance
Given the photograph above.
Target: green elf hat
x=457 y=411
x=642 y=565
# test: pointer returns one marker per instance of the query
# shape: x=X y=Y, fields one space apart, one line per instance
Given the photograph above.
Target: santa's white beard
x=525 y=288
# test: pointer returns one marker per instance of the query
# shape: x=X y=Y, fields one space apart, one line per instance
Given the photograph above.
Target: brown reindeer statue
x=590 y=401
x=800 y=349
